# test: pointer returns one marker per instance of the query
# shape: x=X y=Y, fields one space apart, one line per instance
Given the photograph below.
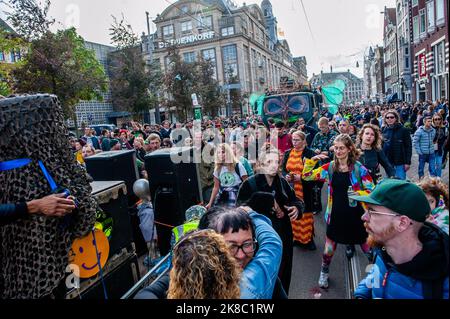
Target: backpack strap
x=252 y=183
x=237 y=171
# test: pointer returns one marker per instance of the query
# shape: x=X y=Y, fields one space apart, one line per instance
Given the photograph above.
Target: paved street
x=306 y=267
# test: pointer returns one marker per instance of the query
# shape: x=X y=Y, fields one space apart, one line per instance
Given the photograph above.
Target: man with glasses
x=397 y=143
x=411 y=255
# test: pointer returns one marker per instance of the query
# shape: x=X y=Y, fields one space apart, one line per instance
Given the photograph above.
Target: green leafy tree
x=135 y=83
x=235 y=95
x=30 y=18
x=211 y=96
x=180 y=81
x=60 y=64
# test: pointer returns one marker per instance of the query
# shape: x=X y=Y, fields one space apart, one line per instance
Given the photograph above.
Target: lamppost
x=150 y=62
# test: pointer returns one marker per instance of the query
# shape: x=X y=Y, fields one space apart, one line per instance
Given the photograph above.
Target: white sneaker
x=323 y=280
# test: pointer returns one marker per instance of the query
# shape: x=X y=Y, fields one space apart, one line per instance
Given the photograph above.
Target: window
x=186 y=27
x=207 y=22
x=189 y=57
x=439 y=57
x=229 y=56
x=167 y=31
x=227 y=31
x=415 y=3
x=422 y=22
x=430 y=15
x=440 y=18
x=210 y=55
x=416 y=28
x=406 y=62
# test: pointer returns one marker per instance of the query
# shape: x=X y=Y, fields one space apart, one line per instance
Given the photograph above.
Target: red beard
x=372 y=242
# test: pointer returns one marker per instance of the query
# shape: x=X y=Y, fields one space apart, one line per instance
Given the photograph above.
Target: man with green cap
x=411 y=256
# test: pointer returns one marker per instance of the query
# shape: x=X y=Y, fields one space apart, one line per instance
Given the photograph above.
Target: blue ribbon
x=18 y=163
x=7 y=166
x=49 y=178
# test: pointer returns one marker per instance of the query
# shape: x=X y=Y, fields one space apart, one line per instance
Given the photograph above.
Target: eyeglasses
x=247 y=248
x=390 y=117
x=371 y=212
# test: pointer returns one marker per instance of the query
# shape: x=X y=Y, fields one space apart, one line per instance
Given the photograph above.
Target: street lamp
x=150 y=62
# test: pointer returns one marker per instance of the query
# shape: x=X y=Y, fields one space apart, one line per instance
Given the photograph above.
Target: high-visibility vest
x=184 y=229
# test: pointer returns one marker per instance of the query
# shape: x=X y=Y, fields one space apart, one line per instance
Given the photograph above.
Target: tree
x=131 y=77
x=211 y=96
x=234 y=94
x=30 y=18
x=60 y=64
x=9 y=42
x=180 y=81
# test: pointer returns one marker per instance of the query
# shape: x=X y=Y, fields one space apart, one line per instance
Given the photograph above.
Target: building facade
x=96 y=112
x=301 y=64
x=354 y=89
x=391 y=68
x=429 y=36
x=240 y=41
x=404 y=49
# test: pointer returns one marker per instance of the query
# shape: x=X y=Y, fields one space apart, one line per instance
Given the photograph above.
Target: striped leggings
x=330 y=249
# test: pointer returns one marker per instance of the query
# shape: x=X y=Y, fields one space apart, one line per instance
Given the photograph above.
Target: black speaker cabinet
x=120 y=275
x=174 y=187
x=115 y=166
x=115 y=218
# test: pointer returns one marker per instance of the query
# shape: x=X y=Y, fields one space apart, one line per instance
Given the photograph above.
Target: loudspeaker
x=112 y=199
x=115 y=166
x=174 y=187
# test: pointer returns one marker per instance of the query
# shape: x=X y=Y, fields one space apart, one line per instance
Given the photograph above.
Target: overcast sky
x=341 y=29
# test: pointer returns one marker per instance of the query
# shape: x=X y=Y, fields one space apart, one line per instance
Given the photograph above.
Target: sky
x=341 y=30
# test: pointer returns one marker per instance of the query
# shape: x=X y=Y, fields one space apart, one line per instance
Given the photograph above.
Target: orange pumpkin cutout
x=83 y=253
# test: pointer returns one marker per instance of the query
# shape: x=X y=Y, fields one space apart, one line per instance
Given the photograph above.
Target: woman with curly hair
x=345 y=176
x=437 y=194
x=369 y=141
x=203 y=268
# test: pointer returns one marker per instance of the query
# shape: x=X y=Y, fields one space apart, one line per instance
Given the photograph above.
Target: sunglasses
x=390 y=117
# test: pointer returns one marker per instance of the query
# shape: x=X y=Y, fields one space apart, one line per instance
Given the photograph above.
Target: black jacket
x=308 y=187
x=12 y=212
x=397 y=144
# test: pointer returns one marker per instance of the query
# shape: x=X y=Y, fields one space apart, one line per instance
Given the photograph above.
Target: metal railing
x=130 y=293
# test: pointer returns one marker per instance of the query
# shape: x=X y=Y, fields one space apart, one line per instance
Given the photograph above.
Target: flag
x=280 y=32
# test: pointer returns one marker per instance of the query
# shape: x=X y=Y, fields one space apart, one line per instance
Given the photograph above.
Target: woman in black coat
x=369 y=142
x=287 y=206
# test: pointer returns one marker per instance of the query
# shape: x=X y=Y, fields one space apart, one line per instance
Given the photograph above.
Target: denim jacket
x=260 y=275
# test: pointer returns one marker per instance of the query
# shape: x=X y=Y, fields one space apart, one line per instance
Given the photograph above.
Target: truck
x=289 y=103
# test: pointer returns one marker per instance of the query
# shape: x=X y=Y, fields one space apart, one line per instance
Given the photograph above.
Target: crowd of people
x=261 y=187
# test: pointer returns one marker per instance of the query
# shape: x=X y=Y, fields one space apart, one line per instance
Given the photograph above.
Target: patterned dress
x=302 y=229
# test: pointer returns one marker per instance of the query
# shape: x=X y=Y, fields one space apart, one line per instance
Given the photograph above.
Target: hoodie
x=387 y=280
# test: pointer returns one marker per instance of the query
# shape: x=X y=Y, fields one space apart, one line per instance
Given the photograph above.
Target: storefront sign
x=422 y=65
x=188 y=39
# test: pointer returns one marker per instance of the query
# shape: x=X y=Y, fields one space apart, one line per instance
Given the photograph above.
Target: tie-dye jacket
x=321 y=174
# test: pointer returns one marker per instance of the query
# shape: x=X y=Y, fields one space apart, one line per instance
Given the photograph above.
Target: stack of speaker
x=174 y=187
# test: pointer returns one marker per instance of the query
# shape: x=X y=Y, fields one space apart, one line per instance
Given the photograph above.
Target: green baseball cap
x=402 y=197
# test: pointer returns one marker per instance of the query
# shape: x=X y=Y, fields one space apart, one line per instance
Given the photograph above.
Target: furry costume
x=34 y=251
